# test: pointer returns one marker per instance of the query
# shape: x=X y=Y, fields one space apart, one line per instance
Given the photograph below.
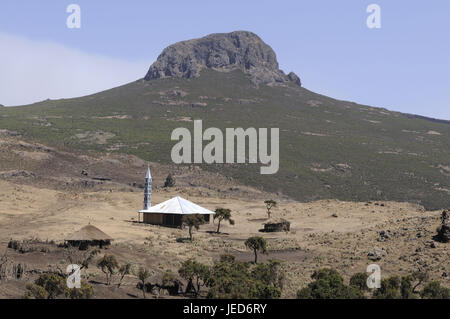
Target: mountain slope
x=328 y=148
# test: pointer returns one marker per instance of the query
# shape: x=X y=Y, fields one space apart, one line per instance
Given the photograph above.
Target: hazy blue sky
x=403 y=66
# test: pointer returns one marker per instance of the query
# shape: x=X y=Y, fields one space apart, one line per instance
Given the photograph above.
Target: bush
x=232 y=279
x=401 y=288
x=196 y=274
x=434 y=290
x=390 y=289
x=86 y=291
x=170 y=181
x=328 y=284
x=359 y=281
x=35 y=292
x=47 y=286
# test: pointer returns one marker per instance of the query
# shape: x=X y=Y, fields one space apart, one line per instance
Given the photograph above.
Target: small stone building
x=276 y=225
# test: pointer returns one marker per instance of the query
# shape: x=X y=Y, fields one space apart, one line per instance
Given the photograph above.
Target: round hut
x=88 y=236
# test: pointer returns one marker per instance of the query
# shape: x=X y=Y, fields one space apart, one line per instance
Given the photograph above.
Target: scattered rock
x=18 y=173
x=294 y=78
x=385 y=235
x=376 y=254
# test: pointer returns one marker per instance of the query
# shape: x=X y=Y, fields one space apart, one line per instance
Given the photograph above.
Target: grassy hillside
x=328 y=148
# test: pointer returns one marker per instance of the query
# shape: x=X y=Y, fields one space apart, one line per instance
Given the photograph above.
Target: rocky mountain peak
x=242 y=50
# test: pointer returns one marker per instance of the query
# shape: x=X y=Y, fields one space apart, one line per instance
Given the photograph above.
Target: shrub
x=35 y=292
x=86 y=291
x=434 y=290
x=170 y=181
x=390 y=289
x=328 y=284
x=234 y=279
x=359 y=281
x=47 y=286
x=196 y=274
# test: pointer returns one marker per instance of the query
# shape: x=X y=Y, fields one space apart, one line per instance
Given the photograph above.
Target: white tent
x=178 y=205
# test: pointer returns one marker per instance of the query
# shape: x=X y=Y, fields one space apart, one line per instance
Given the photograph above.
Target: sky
x=403 y=66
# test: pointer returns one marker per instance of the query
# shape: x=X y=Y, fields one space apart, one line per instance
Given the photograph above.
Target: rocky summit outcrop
x=222 y=52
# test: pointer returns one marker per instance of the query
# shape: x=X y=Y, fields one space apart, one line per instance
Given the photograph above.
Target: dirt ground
x=38 y=203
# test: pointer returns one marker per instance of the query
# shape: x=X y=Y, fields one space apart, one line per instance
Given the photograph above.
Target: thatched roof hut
x=88 y=236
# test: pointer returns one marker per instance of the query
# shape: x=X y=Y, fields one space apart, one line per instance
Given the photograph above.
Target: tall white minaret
x=148 y=190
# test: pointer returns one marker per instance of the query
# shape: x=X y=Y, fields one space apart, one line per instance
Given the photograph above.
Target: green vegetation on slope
x=328 y=148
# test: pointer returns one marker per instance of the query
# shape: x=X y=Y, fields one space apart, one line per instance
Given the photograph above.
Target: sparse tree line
x=228 y=278
x=329 y=284
x=225 y=278
x=193 y=222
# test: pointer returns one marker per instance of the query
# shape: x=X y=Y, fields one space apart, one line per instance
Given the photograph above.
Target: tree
x=192 y=221
x=196 y=274
x=269 y=205
x=328 y=284
x=223 y=214
x=404 y=287
x=419 y=277
x=79 y=257
x=256 y=244
x=170 y=181
x=124 y=270
x=47 y=286
x=108 y=265
x=143 y=274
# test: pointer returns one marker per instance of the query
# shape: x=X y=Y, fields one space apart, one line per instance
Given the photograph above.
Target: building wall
x=154 y=219
x=170 y=220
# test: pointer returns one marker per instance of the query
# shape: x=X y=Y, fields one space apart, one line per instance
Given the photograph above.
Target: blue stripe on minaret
x=148 y=190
